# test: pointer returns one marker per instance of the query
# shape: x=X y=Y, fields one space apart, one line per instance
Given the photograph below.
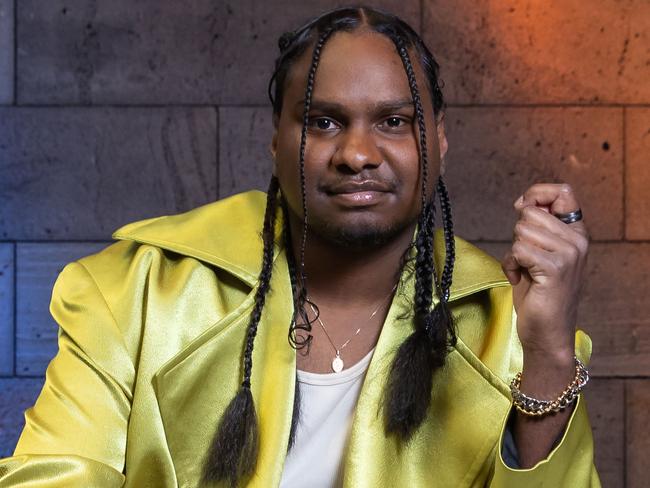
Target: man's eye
x=323 y=123
x=394 y=122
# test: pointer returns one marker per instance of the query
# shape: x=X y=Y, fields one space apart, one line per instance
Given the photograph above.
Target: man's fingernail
x=519 y=201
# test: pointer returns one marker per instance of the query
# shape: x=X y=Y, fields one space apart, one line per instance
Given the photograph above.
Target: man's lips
x=357 y=187
x=358 y=193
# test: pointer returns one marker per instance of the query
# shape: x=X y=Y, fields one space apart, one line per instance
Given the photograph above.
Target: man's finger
x=553 y=198
x=511 y=268
x=558 y=198
x=575 y=232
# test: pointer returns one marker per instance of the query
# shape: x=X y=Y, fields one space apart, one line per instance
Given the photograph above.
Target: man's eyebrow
x=385 y=106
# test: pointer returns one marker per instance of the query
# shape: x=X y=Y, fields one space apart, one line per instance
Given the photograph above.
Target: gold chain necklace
x=337 y=362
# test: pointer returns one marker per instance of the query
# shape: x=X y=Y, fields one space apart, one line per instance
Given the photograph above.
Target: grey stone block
x=614 y=309
x=155 y=52
x=245 y=160
x=16 y=396
x=38 y=266
x=79 y=173
x=499 y=51
x=6 y=309
x=6 y=52
x=495 y=154
x=637 y=173
x=606 y=405
x=637 y=431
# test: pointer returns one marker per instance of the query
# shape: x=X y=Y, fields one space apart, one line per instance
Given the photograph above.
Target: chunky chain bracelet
x=536 y=408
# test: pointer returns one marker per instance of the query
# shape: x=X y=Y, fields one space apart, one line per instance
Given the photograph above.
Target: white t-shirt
x=327 y=406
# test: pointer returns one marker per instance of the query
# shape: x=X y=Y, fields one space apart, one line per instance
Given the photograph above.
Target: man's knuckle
x=566 y=188
x=573 y=253
x=582 y=243
x=528 y=212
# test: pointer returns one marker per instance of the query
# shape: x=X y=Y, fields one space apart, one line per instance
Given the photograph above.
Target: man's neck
x=346 y=276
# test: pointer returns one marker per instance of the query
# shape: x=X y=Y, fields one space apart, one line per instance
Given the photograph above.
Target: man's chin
x=358 y=234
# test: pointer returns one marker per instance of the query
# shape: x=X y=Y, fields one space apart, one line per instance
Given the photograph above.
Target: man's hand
x=546 y=268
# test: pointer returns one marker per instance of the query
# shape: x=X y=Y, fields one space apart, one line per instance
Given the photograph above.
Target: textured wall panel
x=606 y=404
x=614 y=307
x=558 y=51
x=79 y=173
x=6 y=309
x=38 y=266
x=637 y=432
x=6 y=51
x=157 y=52
x=637 y=173
x=497 y=153
x=244 y=149
x=16 y=395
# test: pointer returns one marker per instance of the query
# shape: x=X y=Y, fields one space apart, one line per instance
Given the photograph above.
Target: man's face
x=361 y=159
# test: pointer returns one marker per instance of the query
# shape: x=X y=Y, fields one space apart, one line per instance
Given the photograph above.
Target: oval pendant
x=337 y=364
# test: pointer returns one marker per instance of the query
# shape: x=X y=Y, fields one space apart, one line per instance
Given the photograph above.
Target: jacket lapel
x=468 y=406
x=195 y=387
x=444 y=451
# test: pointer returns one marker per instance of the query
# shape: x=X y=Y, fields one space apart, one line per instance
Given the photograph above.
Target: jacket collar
x=226 y=234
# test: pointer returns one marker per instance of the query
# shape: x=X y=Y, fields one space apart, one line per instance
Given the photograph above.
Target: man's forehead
x=356 y=68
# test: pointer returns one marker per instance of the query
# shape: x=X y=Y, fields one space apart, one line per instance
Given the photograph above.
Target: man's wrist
x=545 y=375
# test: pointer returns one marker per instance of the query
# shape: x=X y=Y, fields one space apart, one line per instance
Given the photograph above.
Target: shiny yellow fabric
x=150 y=343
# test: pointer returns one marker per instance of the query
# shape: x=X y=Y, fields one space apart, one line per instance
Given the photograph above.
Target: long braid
x=315 y=59
x=297 y=341
x=408 y=392
x=233 y=452
x=300 y=290
x=450 y=254
x=448 y=226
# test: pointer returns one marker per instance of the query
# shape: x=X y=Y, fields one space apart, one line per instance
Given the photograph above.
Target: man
x=174 y=367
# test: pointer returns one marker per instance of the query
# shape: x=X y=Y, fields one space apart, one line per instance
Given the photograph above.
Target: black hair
x=233 y=452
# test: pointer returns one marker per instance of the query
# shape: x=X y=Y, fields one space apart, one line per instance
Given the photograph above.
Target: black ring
x=571 y=217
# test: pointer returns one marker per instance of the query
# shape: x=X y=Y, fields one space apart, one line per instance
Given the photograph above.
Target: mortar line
x=208 y=104
x=15 y=308
x=62 y=241
x=625 y=432
x=15 y=87
x=218 y=156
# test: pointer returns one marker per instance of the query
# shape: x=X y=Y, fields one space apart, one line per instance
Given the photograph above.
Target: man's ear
x=442 y=144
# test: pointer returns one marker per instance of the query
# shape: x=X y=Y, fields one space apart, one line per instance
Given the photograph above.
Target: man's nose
x=357 y=151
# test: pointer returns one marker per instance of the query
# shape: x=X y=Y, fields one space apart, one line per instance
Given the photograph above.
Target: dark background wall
x=113 y=111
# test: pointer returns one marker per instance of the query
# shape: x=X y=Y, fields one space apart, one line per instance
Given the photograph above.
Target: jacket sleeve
x=75 y=434
x=570 y=462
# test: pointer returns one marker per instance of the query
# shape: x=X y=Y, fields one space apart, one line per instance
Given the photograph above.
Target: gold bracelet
x=537 y=408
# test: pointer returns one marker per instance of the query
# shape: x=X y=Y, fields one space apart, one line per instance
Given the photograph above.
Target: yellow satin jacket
x=150 y=344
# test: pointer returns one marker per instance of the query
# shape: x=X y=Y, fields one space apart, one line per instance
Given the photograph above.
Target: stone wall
x=116 y=111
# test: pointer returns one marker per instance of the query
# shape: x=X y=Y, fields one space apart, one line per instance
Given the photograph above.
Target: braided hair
x=233 y=452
